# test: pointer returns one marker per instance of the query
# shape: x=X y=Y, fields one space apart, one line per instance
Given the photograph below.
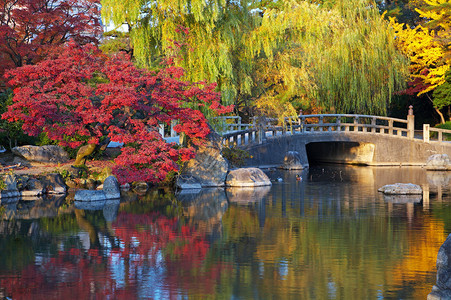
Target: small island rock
x=401 y=189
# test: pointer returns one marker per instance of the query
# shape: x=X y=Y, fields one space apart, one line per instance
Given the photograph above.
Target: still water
x=330 y=235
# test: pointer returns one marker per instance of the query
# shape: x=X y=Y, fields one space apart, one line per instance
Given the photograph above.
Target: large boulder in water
x=438 y=162
x=208 y=168
x=42 y=154
x=442 y=287
x=247 y=177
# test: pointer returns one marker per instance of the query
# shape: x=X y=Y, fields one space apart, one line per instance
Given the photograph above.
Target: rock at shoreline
x=42 y=154
x=54 y=183
x=438 y=162
x=247 y=177
x=442 y=287
x=401 y=189
x=292 y=161
x=110 y=190
x=33 y=188
x=10 y=185
x=208 y=168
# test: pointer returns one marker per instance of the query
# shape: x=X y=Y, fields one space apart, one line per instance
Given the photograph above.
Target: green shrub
x=11 y=133
x=446 y=136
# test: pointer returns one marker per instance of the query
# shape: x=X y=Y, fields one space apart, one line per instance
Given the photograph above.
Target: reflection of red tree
x=143 y=239
x=184 y=250
x=70 y=275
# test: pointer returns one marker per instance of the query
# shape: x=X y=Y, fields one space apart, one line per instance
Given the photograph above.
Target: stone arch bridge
x=340 y=138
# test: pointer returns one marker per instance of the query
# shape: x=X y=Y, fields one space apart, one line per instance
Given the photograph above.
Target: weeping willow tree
x=204 y=37
x=276 y=55
x=340 y=56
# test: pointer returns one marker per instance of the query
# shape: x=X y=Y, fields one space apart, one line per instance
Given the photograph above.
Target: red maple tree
x=30 y=29
x=80 y=96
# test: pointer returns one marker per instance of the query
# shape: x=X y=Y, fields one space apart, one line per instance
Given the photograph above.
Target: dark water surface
x=329 y=236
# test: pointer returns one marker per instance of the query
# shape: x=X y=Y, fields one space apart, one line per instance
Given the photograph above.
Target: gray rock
x=247 y=177
x=292 y=161
x=10 y=190
x=33 y=188
x=185 y=182
x=89 y=195
x=9 y=194
x=42 y=154
x=208 y=168
x=438 y=162
x=442 y=288
x=10 y=182
x=54 y=183
x=401 y=189
x=111 y=188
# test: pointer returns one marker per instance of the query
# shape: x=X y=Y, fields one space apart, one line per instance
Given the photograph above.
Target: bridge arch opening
x=340 y=153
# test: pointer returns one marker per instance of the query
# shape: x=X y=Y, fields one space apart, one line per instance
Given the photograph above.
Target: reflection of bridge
x=341 y=138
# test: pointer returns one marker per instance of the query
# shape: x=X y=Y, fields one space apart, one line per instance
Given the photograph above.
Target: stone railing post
x=390 y=127
x=356 y=123
x=302 y=124
x=161 y=130
x=261 y=128
x=410 y=123
x=173 y=132
x=426 y=133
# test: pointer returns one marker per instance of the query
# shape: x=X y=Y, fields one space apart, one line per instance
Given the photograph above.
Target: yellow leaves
x=425 y=48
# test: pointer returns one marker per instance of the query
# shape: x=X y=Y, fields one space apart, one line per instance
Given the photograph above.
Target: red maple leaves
x=31 y=29
x=80 y=96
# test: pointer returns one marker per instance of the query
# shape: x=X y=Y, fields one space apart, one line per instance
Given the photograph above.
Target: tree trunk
x=442 y=118
x=83 y=152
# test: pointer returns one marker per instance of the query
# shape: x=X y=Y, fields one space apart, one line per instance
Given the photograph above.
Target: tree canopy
x=81 y=96
x=30 y=29
x=429 y=48
x=276 y=55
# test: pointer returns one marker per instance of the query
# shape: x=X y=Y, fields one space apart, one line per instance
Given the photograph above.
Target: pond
x=330 y=235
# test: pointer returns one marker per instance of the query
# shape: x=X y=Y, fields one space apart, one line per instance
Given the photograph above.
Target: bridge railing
x=228 y=124
x=435 y=134
x=317 y=123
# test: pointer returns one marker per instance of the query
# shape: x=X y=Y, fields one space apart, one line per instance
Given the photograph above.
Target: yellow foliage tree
x=427 y=46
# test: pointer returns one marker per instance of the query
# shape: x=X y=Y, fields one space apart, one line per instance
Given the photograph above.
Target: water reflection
x=330 y=235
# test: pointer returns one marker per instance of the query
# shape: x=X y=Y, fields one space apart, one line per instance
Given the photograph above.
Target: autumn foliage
x=80 y=96
x=31 y=29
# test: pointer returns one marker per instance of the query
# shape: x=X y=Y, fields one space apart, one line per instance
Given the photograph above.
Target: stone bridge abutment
x=347 y=148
